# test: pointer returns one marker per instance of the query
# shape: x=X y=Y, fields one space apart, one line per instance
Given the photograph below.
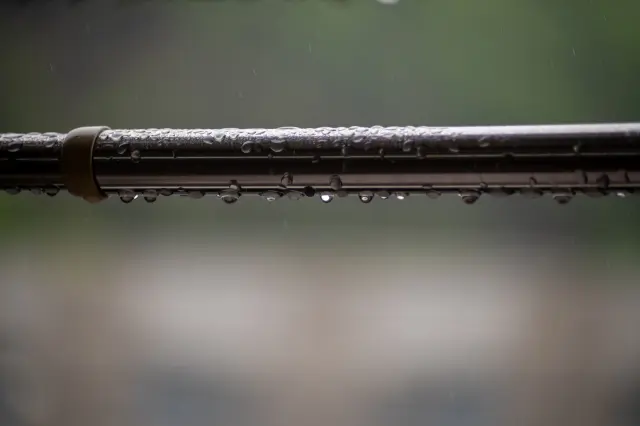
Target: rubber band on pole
x=77 y=163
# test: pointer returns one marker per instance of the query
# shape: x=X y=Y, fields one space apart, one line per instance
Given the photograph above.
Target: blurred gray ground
x=510 y=311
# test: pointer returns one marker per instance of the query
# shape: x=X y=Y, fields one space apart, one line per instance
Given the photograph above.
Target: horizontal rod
x=596 y=159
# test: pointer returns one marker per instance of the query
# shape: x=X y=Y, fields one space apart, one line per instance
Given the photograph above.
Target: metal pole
x=562 y=160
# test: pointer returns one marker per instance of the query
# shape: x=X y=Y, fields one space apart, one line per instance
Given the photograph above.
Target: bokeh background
x=192 y=312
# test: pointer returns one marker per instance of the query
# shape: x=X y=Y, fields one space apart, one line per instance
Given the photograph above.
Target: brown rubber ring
x=77 y=163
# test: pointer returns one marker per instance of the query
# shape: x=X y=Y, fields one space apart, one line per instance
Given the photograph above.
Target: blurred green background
x=270 y=63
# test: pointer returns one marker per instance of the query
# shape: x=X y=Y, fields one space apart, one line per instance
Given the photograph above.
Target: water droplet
x=335 y=183
x=230 y=195
x=316 y=159
x=52 y=191
x=309 y=191
x=166 y=192
x=562 y=198
x=469 y=197
x=271 y=195
x=122 y=148
x=36 y=191
x=115 y=136
x=50 y=143
x=286 y=180
x=150 y=195
x=12 y=191
x=401 y=195
x=127 y=196
x=381 y=153
x=342 y=193
x=326 y=197
x=384 y=195
x=421 y=153
x=218 y=136
x=345 y=151
x=14 y=146
x=454 y=149
x=623 y=193
x=366 y=197
x=135 y=156
x=195 y=194
x=246 y=147
x=407 y=146
x=483 y=143
x=576 y=148
x=277 y=145
x=432 y=193
x=358 y=139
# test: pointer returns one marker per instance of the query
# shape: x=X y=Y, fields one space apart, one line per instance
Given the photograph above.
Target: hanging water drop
x=326 y=197
x=401 y=195
x=470 y=199
x=366 y=197
x=135 y=156
x=52 y=191
x=195 y=194
x=127 y=196
x=229 y=199
x=430 y=192
x=271 y=195
x=384 y=195
x=166 y=192
x=150 y=195
x=232 y=194
x=562 y=198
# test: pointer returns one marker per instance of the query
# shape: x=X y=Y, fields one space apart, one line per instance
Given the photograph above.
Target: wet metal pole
x=97 y=162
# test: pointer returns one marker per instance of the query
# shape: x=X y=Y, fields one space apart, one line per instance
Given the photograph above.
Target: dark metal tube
x=560 y=159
